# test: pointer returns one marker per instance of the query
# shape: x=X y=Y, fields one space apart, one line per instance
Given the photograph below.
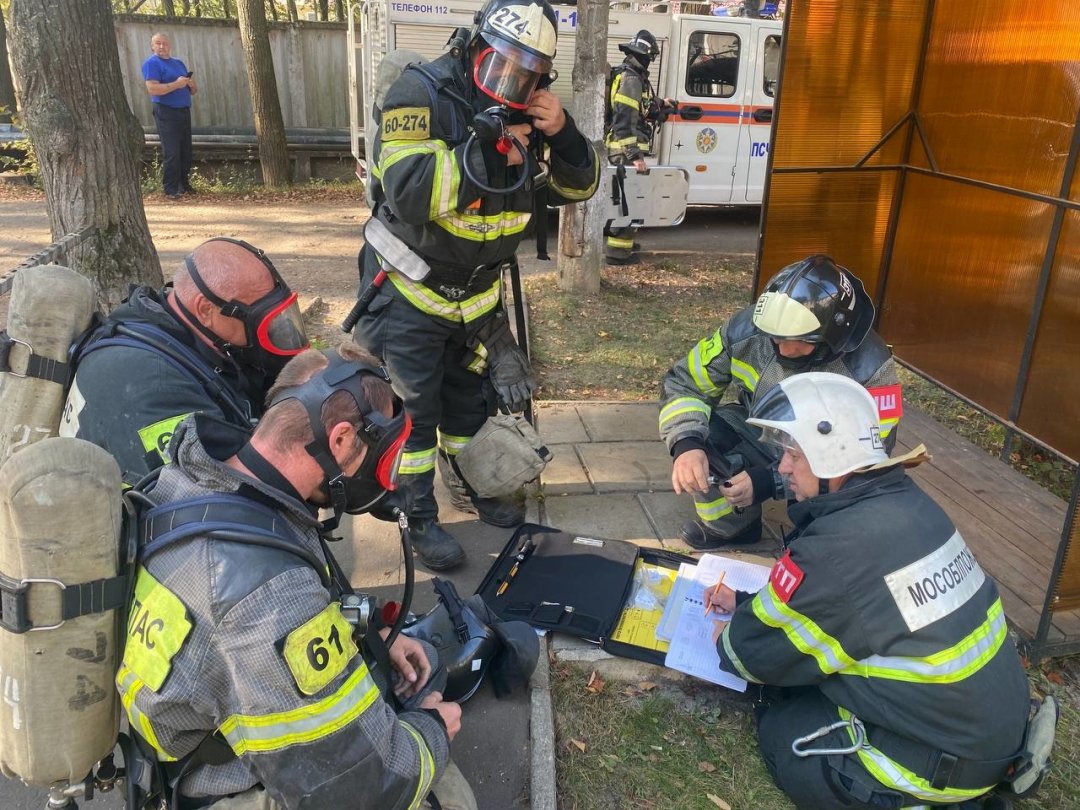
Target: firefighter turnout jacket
x=738 y=363
x=245 y=639
x=422 y=194
x=632 y=100
x=879 y=602
x=128 y=397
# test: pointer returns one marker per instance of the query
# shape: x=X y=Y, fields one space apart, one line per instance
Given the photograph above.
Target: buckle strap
x=37 y=365
x=82 y=599
x=942 y=769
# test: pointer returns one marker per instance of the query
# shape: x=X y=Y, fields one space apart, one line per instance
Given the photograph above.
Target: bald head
x=229 y=270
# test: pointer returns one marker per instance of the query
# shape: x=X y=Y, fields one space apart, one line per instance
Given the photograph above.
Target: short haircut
x=286 y=424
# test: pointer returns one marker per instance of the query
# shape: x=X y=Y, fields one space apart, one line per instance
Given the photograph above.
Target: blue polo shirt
x=165 y=71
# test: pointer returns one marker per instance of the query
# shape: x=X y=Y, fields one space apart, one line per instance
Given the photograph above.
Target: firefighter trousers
x=426 y=356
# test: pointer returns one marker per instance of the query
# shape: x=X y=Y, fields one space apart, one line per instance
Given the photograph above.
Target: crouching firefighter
x=900 y=684
x=456 y=179
x=247 y=675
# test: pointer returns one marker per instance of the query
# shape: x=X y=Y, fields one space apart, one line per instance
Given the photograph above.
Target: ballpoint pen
x=519 y=558
x=711 y=592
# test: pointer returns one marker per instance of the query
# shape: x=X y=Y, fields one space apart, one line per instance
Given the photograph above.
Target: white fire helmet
x=829 y=418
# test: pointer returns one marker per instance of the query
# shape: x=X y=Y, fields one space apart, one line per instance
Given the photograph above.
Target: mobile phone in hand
x=190 y=73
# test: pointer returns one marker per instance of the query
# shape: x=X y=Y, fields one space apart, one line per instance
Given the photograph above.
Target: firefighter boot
x=700 y=536
x=436 y=547
x=506 y=512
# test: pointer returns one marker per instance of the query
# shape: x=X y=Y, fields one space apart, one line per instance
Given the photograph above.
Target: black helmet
x=643 y=45
x=518 y=48
x=818 y=301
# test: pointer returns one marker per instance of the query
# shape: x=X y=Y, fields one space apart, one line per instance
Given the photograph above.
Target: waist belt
x=940 y=768
x=459 y=283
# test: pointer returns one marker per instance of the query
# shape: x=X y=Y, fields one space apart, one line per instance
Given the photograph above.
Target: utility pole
x=581 y=226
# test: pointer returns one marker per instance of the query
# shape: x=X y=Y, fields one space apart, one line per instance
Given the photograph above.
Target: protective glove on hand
x=508 y=367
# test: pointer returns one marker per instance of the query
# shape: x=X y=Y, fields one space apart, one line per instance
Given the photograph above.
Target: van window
x=712 y=69
x=771 y=65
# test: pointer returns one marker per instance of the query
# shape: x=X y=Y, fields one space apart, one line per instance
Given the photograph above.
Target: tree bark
x=294 y=15
x=7 y=86
x=265 y=102
x=581 y=226
x=170 y=8
x=273 y=10
x=339 y=10
x=323 y=9
x=86 y=138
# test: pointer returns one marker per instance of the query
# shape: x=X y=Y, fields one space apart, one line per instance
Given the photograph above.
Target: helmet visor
x=281 y=330
x=508 y=80
x=779 y=438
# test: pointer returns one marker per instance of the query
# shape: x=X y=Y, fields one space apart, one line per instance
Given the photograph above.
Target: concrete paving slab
x=565 y=474
x=619 y=517
x=620 y=421
x=637 y=466
x=559 y=423
x=667 y=512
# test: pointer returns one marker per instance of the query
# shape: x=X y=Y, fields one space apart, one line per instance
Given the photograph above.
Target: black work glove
x=508 y=367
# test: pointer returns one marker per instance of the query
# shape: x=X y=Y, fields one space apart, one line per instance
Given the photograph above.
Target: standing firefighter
x=459 y=206
x=634 y=113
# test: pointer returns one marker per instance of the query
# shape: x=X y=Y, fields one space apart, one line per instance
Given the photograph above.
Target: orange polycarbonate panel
x=845 y=215
x=848 y=74
x=1067 y=591
x=1000 y=91
x=1051 y=406
x=961 y=285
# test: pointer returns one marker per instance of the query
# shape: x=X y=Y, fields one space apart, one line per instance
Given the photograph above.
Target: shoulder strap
x=222 y=516
x=183 y=358
x=435 y=85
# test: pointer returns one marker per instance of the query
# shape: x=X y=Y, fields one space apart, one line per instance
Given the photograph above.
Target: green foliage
x=218 y=9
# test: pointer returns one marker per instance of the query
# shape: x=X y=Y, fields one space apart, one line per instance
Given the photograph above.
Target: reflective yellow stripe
x=314 y=721
x=416 y=462
x=729 y=652
x=618 y=242
x=891 y=773
x=579 y=193
x=129 y=686
x=746 y=373
x=622 y=141
x=803 y=633
x=712 y=510
x=427 y=768
x=700 y=356
x=430 y=302
x=396 y=151
x=887 y=425
x=483 y=227
x=453 y=445
x=682 y=405
x=619 y=98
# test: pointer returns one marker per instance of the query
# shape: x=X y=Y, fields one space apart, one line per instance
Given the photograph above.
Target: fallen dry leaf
x=1055 y=677
x=718 y=801
x=706 y=767
x=595 y=683
x=578 y=744
x=646 y=686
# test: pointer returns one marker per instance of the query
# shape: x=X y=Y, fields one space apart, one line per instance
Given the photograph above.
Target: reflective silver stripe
x=427 y=767
x=729 y=651
x=802 y=631
x=453 y=444
x=417 y=461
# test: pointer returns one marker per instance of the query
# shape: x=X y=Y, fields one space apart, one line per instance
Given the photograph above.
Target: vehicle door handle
x=762 y=116
x=691 y=113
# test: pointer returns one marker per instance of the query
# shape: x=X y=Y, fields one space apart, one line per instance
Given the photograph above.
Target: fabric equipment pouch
x=1038 y=742
x=572 y=583
x=504 y=455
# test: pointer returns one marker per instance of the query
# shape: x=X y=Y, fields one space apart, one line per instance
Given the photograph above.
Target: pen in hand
x=713 y=591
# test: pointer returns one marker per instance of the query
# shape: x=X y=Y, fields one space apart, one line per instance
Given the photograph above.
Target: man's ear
x=342 y=439
x=204 y=309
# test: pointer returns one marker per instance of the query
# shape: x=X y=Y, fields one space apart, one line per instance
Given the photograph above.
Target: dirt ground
x=313 y=243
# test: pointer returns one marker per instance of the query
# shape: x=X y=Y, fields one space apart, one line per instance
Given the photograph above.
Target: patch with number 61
x=318 y=650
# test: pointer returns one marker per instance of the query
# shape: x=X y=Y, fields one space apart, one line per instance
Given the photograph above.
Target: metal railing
x=50 y=255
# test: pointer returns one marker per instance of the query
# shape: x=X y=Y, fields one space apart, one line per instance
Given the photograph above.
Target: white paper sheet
x=692 y=649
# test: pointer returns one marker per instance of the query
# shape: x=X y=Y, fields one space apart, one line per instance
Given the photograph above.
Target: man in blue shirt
x=170 y=86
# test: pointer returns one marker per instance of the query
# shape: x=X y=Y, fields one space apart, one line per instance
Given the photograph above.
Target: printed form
x=692 y=649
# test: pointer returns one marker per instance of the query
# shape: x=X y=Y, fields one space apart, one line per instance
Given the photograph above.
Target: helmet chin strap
x=823 y=486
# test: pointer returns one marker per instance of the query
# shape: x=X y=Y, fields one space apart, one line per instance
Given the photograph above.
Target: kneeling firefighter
x=248 y=672
x=468 y=146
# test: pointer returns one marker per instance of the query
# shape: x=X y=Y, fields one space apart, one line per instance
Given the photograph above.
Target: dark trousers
x=174 y=132
x=426 y=357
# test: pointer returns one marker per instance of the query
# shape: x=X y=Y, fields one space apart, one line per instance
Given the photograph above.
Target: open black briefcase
x=608 y=591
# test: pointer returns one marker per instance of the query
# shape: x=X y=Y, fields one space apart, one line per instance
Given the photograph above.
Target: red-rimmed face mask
x=273 y=325
x=505 y=80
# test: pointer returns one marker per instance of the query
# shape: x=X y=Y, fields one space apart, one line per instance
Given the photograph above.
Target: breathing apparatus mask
x=514 y=43
x=273 y=325
x=384 y=437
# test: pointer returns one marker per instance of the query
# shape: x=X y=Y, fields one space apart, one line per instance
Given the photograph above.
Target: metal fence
x=309 y=64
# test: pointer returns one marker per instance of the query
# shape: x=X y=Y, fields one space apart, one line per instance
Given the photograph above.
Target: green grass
x=657 y=749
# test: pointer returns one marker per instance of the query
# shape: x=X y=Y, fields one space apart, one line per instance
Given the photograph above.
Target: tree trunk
x=86 y=138
x=273 y=10
x=323 y=9
x=186 y=5
x=294 y=15
x=339 y=9
x=7 y=86
x=581 y=226
x=170 y=8
x=265 y=103
x=225 y=9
